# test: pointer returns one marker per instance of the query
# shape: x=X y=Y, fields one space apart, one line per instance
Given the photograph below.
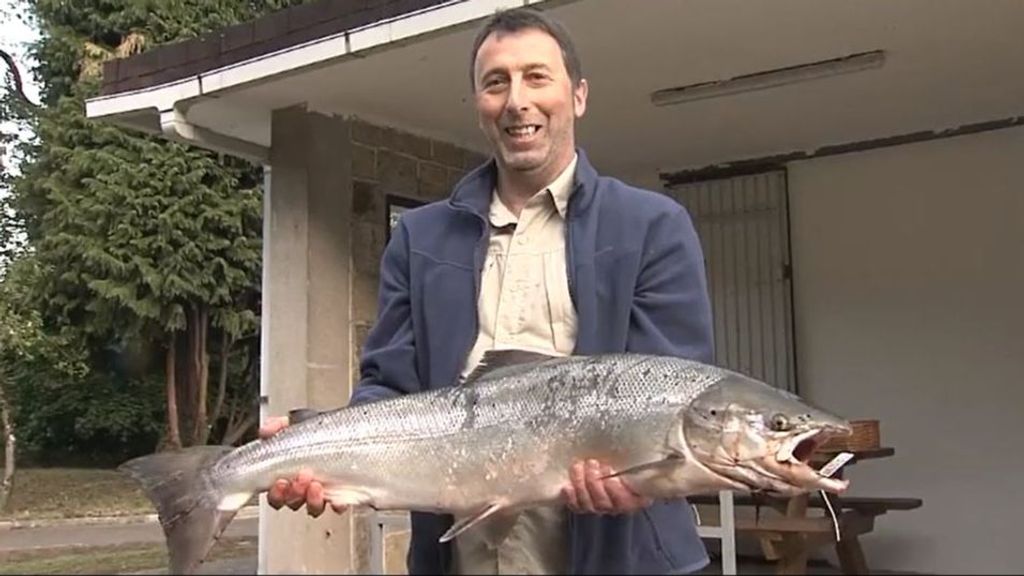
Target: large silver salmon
x=504 y=440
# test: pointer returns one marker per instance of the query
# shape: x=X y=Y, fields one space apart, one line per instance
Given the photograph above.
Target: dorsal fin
x=497 y=359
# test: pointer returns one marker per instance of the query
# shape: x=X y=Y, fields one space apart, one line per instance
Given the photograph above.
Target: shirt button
x=521 y=240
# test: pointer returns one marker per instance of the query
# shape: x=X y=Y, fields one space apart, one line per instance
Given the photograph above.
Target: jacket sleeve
x=387 y=366
x=671 y=310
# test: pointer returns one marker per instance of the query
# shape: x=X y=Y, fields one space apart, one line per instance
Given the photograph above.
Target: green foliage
x=93 y=418
x=67 y=404
x=15 y=118
x=126 y=236
x=130 y=229
x=32 y=362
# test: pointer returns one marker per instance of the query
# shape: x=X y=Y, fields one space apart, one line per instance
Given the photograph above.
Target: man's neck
x=516 y=188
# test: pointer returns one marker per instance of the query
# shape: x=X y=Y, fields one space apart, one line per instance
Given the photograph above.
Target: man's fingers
x=277 y=494
x=303 y=490
x=598 y=496
x=315 y=499
x=297 y=495
x=272 y=426
x=577 y=475
x=623 y=499
x=590 y=490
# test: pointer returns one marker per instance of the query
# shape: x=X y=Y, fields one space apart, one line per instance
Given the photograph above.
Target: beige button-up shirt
x=525 y=304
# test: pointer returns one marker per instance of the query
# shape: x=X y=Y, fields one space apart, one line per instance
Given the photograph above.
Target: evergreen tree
x=150 y=250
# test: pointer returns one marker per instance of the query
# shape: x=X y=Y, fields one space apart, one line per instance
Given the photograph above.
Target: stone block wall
x=386 y=162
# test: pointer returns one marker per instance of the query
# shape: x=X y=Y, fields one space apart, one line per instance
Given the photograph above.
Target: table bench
x=788 y=539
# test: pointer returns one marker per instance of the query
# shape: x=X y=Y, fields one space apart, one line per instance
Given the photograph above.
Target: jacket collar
x=473 y=191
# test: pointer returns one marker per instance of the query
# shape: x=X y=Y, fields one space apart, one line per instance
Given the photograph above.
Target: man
x=556 y=259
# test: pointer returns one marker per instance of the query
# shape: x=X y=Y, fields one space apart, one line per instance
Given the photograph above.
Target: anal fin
x=347 y=497
x=463 y=524
x=234 y=502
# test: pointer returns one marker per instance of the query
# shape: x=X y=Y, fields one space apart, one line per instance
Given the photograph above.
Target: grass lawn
x=121 y=559
x=73 y=492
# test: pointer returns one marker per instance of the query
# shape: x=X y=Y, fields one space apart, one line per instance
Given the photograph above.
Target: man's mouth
x=522 y=131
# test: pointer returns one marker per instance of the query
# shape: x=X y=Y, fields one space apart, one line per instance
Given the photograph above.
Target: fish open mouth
x=787 y=470
x=793 y=461
x=801 y=448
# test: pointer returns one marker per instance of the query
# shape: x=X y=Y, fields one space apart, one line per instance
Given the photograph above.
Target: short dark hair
x=517 y=19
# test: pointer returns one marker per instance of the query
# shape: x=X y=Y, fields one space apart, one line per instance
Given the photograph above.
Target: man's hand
x=587 y=492
x=300 y=490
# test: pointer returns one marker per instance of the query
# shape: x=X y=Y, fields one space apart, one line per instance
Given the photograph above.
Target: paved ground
x=100 y=534
x=78 y=535
x=247 y=565
x=234 y=566
x=751 y=566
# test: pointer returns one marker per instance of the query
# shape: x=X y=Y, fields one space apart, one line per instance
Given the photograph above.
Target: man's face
x=526 y=103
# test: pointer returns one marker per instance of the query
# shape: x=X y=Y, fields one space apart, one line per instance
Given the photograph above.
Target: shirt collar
x=562 y=186
x=560 y=190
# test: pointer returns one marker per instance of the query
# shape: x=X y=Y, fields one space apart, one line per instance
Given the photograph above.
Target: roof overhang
x=410 y=71
x=168 y=108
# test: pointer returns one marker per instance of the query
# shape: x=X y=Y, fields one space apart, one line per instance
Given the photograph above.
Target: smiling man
x=527 y=100
x=535 y=250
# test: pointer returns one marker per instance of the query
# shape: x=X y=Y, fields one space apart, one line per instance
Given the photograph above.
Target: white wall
x=909 y=302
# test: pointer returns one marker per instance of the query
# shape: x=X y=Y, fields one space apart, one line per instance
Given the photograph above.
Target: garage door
x=743 y=226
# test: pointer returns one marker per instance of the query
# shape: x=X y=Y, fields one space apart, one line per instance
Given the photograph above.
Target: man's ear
x=579 y=98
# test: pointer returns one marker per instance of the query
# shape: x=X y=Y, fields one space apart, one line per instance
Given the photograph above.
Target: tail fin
x=185 y=501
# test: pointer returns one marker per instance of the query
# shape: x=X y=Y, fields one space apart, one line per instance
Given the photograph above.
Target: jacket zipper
x=479 y=255
x=570 y=265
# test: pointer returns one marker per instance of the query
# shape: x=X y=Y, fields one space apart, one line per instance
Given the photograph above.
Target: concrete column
x=307 y=330
x=323 y=238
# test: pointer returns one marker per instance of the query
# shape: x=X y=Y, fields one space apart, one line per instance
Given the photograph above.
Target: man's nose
x=517 y=96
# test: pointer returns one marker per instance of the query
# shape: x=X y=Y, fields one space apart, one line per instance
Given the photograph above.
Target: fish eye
x=779 y=423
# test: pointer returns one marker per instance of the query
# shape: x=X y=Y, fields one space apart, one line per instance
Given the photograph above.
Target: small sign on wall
x=394 y=206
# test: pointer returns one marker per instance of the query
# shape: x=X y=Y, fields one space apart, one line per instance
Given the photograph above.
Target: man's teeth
x=522 y=130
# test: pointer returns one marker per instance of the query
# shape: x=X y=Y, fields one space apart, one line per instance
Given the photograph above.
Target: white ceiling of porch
x=949 y=62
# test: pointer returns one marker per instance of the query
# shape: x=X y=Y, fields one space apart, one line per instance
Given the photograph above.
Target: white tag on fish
x=827 y=471
x=835 y=464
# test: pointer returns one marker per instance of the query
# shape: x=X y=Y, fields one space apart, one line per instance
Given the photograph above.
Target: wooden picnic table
x=790 y=539
x=791 y=548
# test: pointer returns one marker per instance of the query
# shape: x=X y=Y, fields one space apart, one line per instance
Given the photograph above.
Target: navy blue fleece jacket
x=636 y=277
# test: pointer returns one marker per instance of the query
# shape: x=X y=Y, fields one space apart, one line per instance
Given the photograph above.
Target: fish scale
x=508 y=414
x=501 y=441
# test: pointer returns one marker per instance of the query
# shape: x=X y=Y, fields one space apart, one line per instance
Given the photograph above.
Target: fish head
x=760 y=437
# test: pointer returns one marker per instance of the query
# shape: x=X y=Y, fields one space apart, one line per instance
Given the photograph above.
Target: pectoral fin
x=666 y=462
x=498 y=522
